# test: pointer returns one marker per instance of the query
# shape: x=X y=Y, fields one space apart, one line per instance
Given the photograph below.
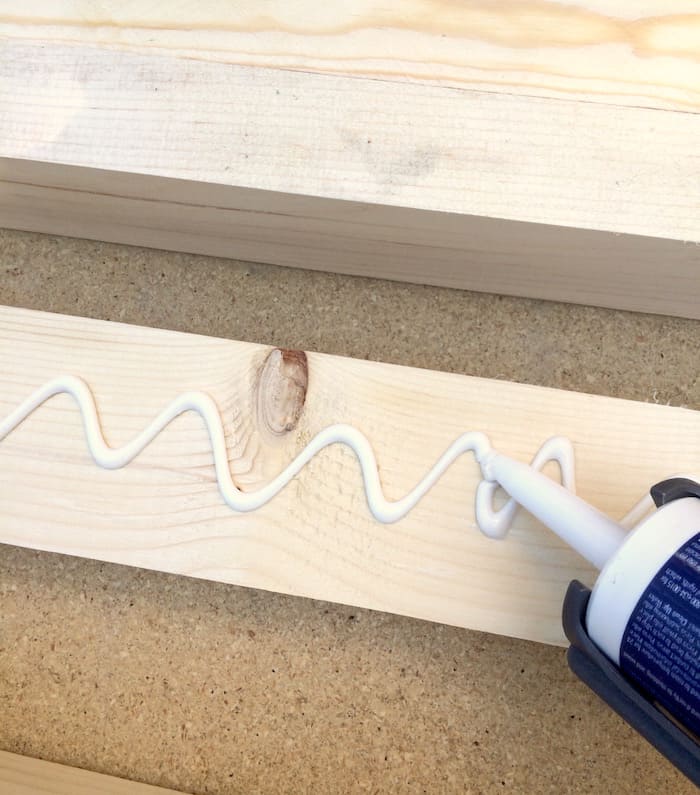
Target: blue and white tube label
x=660 y=648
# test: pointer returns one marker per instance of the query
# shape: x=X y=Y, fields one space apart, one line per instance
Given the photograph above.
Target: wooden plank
x=607 y=51
x=316 y=538
x=519 y=195
x=405 y=244
x=426 y=147
x=22 y=775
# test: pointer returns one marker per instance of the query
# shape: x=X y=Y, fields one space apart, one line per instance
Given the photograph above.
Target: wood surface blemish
x=281 y=390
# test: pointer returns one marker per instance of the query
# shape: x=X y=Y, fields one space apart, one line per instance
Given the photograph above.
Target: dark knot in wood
x=281 y=390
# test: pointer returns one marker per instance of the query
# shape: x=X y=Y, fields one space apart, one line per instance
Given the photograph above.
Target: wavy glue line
x=494 y=523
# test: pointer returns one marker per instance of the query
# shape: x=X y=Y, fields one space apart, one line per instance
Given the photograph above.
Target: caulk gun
x=635 y=639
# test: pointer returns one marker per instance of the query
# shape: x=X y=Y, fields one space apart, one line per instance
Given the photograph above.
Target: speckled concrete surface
x=215 y=689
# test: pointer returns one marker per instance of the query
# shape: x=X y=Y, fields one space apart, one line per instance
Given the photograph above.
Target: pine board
x=638 y=54
x=317 y=538
x=22 y=775
x=430 y=148
x=550 y=196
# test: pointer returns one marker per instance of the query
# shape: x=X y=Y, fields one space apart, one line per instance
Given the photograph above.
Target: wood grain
x=22 y=775
x=617 y=52
x=317 y=537
x=478 y=190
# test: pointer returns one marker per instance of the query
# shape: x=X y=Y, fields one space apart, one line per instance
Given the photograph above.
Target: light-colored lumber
x=22 y=775
x=425 y=147
x=485 y=254
x=317 y=537
x=558 y=199
x=613 y=51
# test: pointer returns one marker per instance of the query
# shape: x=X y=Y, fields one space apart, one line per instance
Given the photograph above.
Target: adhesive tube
x=644 y=611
